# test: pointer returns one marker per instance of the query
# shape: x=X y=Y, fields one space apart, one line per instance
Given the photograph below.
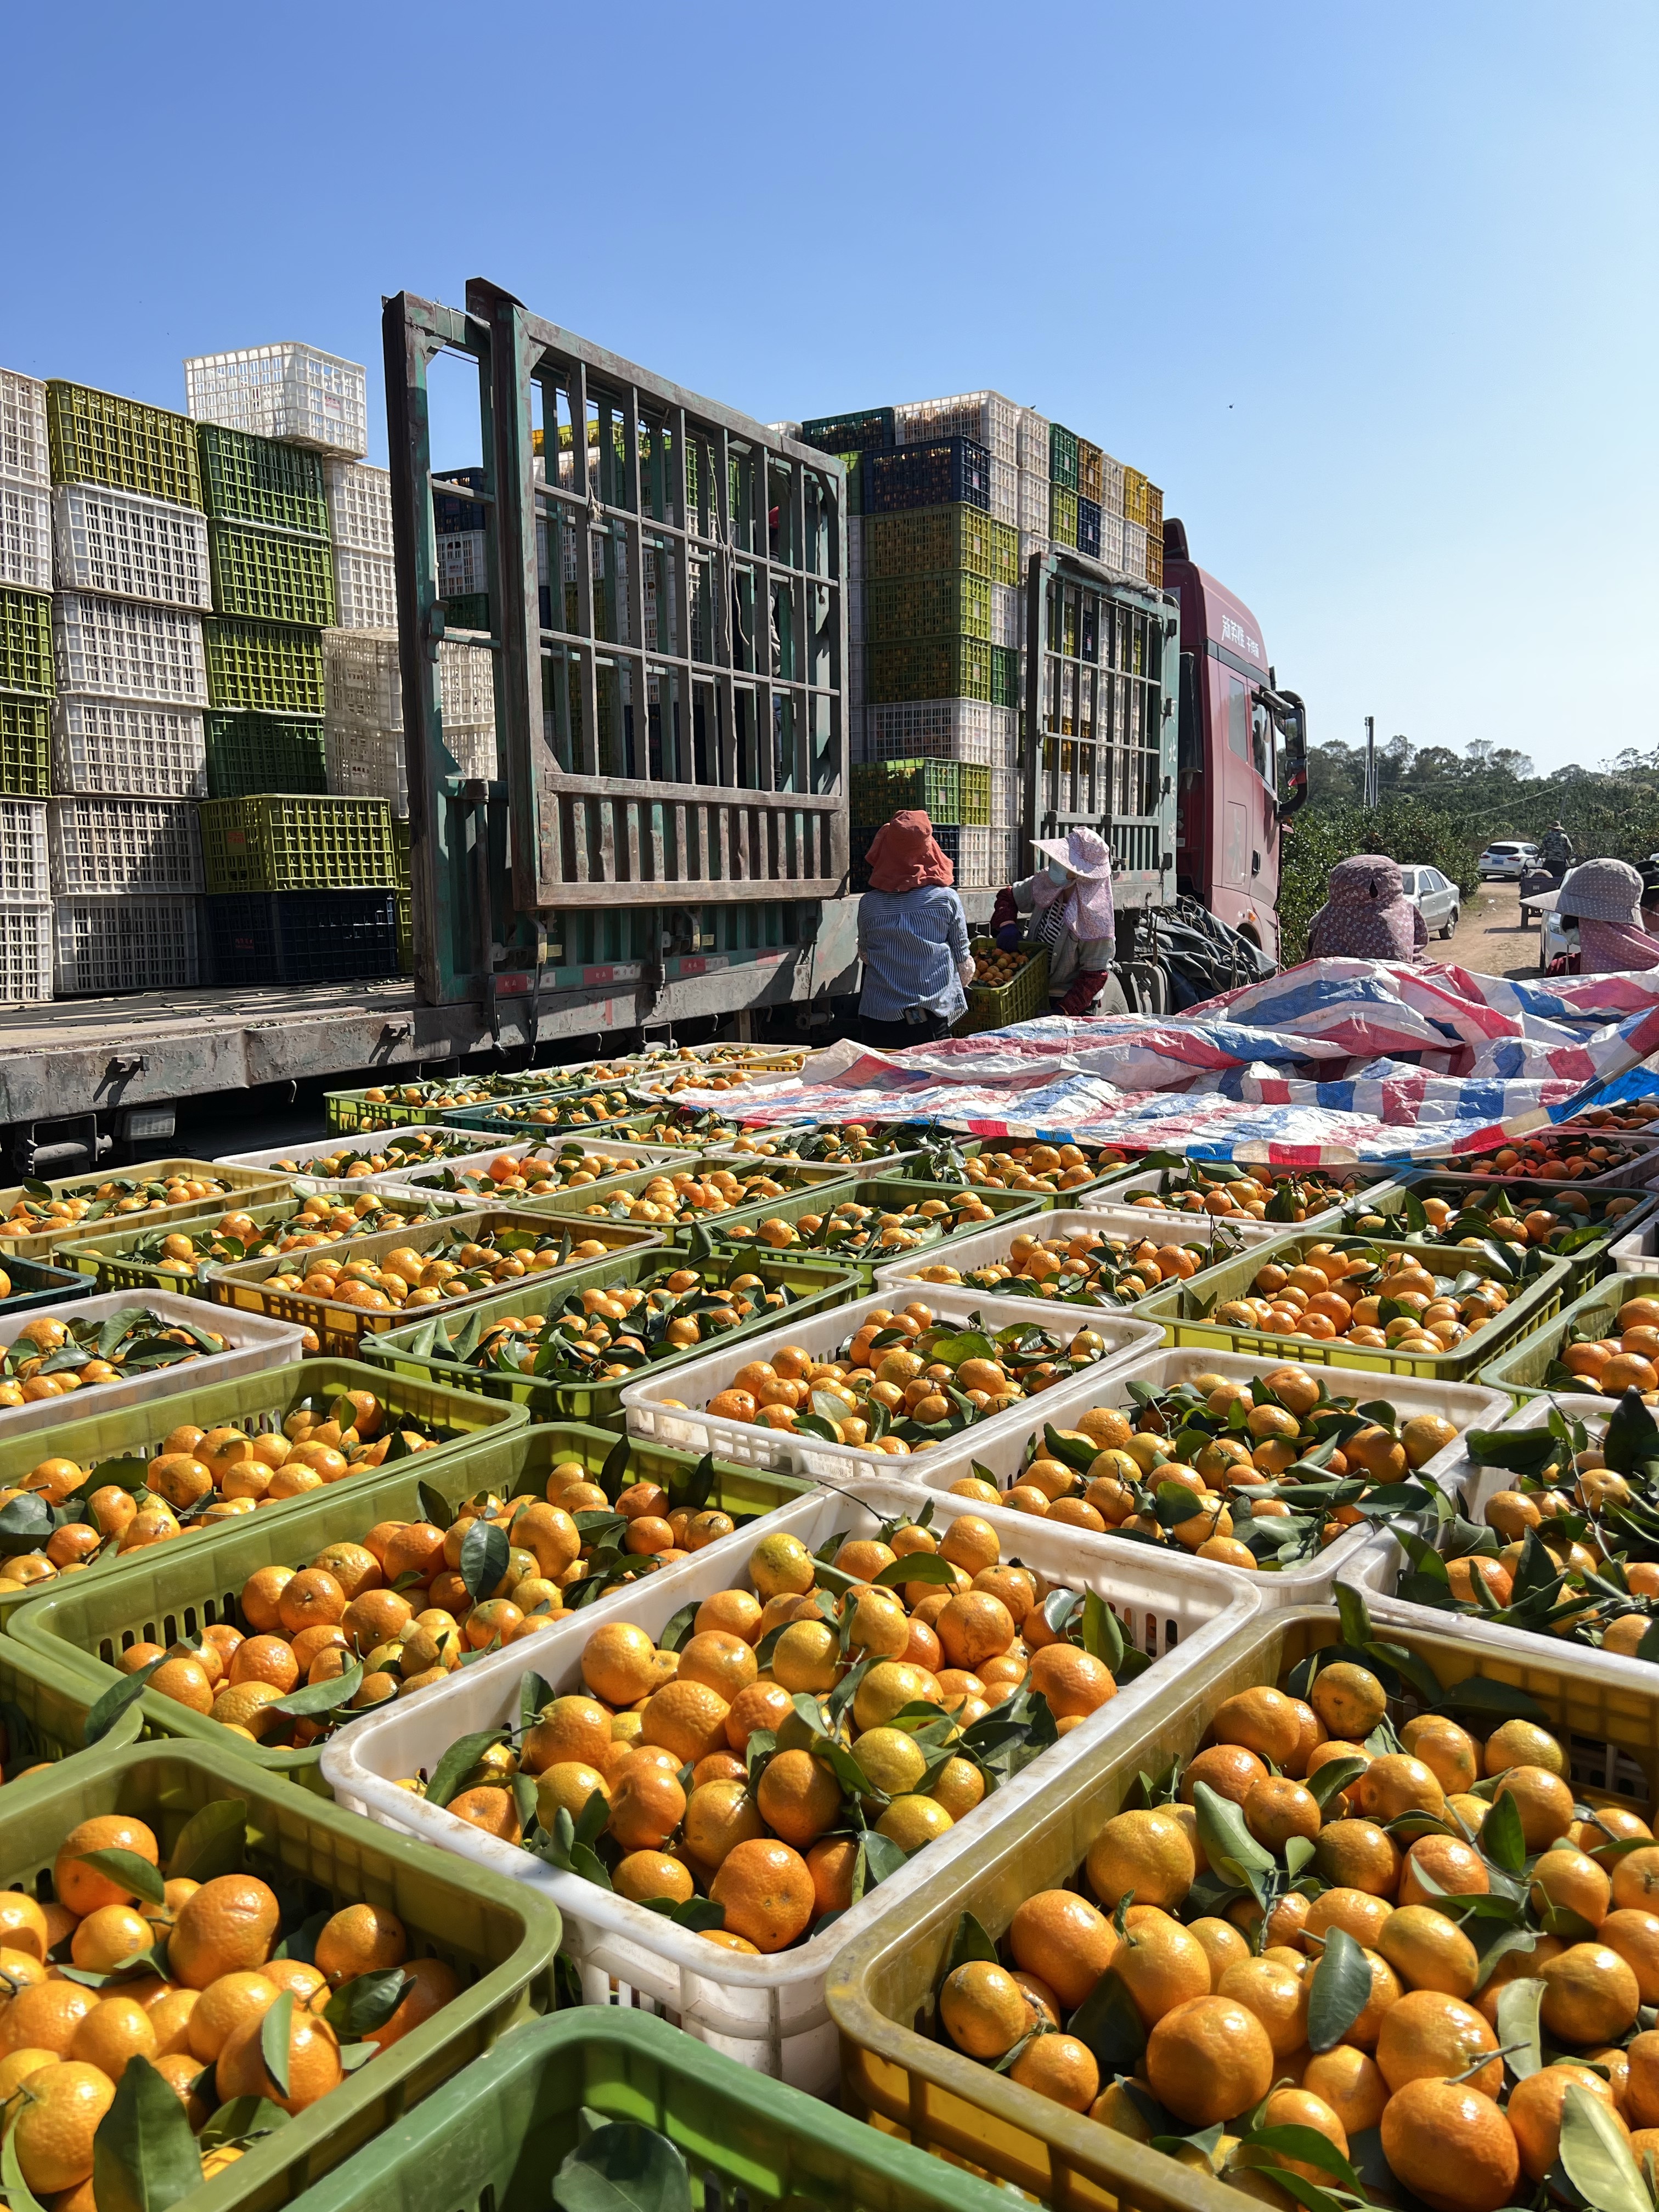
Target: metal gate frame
x=766 y=819
x=1058 y=761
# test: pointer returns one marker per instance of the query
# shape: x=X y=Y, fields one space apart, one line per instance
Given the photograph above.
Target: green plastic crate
x=43 y=1714
x=1182 y=1311
x=814 y=1285
x=1062 y=456
x=245 y=1186
x=500 y=1937
x=953 y=793
x=491 y=2140
x=270 y=575
x=613 y=1189
x=891 y=1193
x=26 y=642
x=516 y=1117
x=925 y=541
x=931 y=668
x=269 y=666
x=35 y=1283
x=1587 y=1263
x=249 y=752
x=405 y=933
x=260 y=480
x=1006 y=689
x=351 y=1112
x=900 y=607
x=1522 y=1368
x=1062 y=515
x=97 y=437
x=78 y=1626
x=296 y=843
x=25 y=748
x=340 y=1329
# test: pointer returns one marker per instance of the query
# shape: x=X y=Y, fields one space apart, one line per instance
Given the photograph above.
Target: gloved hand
x=967 y=971
x=1004 y=912
x=1085 y=989
x=1008 y=937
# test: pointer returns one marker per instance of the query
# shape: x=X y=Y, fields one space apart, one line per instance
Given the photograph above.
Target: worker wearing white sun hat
x=1070 y=904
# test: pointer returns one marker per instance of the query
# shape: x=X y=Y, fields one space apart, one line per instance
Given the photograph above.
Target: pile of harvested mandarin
x=199 y=1478
x=319 y=1219
x=182 y=1976
x=1607 y=1366
x=1261 y=1473
x=718 y=1075
x=405 y=1604
x=1082 y=1266
x=1572 y=1153
x=1000 y=1164
x=404 y=1148
x=1388 y=1301
x=676 y=1194
x=104 y=1199
x=50 y=1359
x=581 y=1112
x=835 y=1147
x=934 y=1671
x=408 y=1277
x=904 y=1382
x=1218 y=1188
x=1504 y=1214
x=855 y=1230
x=529 y=1172
x=1320 y=1923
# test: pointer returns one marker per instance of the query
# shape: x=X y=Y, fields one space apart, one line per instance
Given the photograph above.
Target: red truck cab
x=1242 y=753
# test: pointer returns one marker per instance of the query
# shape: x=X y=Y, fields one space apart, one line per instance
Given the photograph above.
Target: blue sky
x=1370 y=293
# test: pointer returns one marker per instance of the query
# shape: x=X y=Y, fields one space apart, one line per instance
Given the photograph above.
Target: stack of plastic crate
x=363 y=684
x=26 y=670
x=360 y=521
x=132 y=569
x=300 y=888
x=853 y=438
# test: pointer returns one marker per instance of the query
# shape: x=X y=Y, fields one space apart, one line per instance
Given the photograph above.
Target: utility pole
x=1371 y=762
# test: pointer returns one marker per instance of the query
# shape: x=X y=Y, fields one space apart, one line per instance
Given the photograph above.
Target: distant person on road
x=1555 y=852
x=1604 y=897
x=912 y=938
x=1070 y=904
x=1366 y=915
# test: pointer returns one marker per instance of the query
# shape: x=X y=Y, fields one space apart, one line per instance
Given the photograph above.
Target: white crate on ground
x=102 y=847
x=25 y=535
x=1033 y=445
x=25 y=954
x=1637 y=1254
x=25 y=868
x=131 y=944
x=286 y=391
x=122 y=649
x=365 y=589
x=986 y=1246
x=942 y=729
x=359 y=506
x=105 y=745
x=985 y=417
x=768 y=2012
x=130 y=547
x=1007 y=615
x=25 y=453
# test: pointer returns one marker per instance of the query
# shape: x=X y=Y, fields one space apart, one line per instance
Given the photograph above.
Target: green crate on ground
x=931 y=668
x=900 y=608
x=78 y=1626
x=996 y=1005
x=413 y=1349
x=297 y=843
x=926 y=541
x=1588 y=1263
x=614 y=1192
x=97 y=437
x=1062 y=457
x=951 y=792
x=43 y=1718
x=889 y=1195
x=521 y=1117
x=270 y=575
x=350 y=1111
x=491 y=2140
x=1184 y=1312
x=1062 y=515
x=249 y=752
x=249 y=479
x=244 y=1186
x=25 y=748
x=499 y=1937
x=1529 y=1366
x=26 y=642
x=41 y=1283
x=269 y=666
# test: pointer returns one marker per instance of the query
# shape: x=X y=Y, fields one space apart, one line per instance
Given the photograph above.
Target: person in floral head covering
x=1069 y=900
x=913 y=938
x=1366 y=915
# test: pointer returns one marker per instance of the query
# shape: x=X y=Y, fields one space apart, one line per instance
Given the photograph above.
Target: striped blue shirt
x=912 y=943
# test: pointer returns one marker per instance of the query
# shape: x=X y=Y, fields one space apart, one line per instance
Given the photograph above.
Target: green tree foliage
x=1320 y=835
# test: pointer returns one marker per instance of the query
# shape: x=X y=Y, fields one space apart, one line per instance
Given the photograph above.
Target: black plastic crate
x=471 y=610
x=302 y=937
x=932 y=475
x=867 y=430
x=249 y=752
x=1088 y=526
x=449 y=512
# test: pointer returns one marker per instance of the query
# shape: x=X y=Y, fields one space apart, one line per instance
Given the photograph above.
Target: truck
x=663 y=847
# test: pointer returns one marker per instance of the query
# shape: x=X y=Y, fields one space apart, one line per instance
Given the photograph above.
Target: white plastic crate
x=986 y=1246
x=425 y=1177
x=25 y=451
x=1033 y=448
x=352 y=1140
x=101 y=847
x=362 y=681
x=688 y=1427
x=1465 y=1404
x=1111 y=485
x=1637 y=1254
x=285 y=391
x=25 y=954
x=1007 y=615
x=1111 y=540
x=359 y=506
x=25 y=535
x=255 y=1343
x=942 y=729
x=1004 y=799
x=131 y=944
x=1032 y=506
x=985 y=417
x=462 y=566
x=130 y=547
x=768 y=2012
x=122 y=649
x=1118 y=1194
x=466 y=683
x=154 y=752
x=365 y=589
x=1031 y=542
x=1004 y=492
x=25 y=868
x=983 y=859
x=367 y=763
x=1134 y=549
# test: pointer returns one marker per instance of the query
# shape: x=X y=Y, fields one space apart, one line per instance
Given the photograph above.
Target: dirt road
x=1489 y=938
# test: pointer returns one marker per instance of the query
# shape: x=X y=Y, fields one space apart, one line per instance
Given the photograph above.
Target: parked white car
x=1508 y=857
x=1558 y=934
x=1436 y=900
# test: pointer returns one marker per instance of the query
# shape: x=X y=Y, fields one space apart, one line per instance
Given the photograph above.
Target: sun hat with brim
x=1596 y=891
x=1085 y=852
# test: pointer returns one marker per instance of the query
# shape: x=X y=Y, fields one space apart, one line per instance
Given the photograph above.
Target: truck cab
x=1242 y=753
